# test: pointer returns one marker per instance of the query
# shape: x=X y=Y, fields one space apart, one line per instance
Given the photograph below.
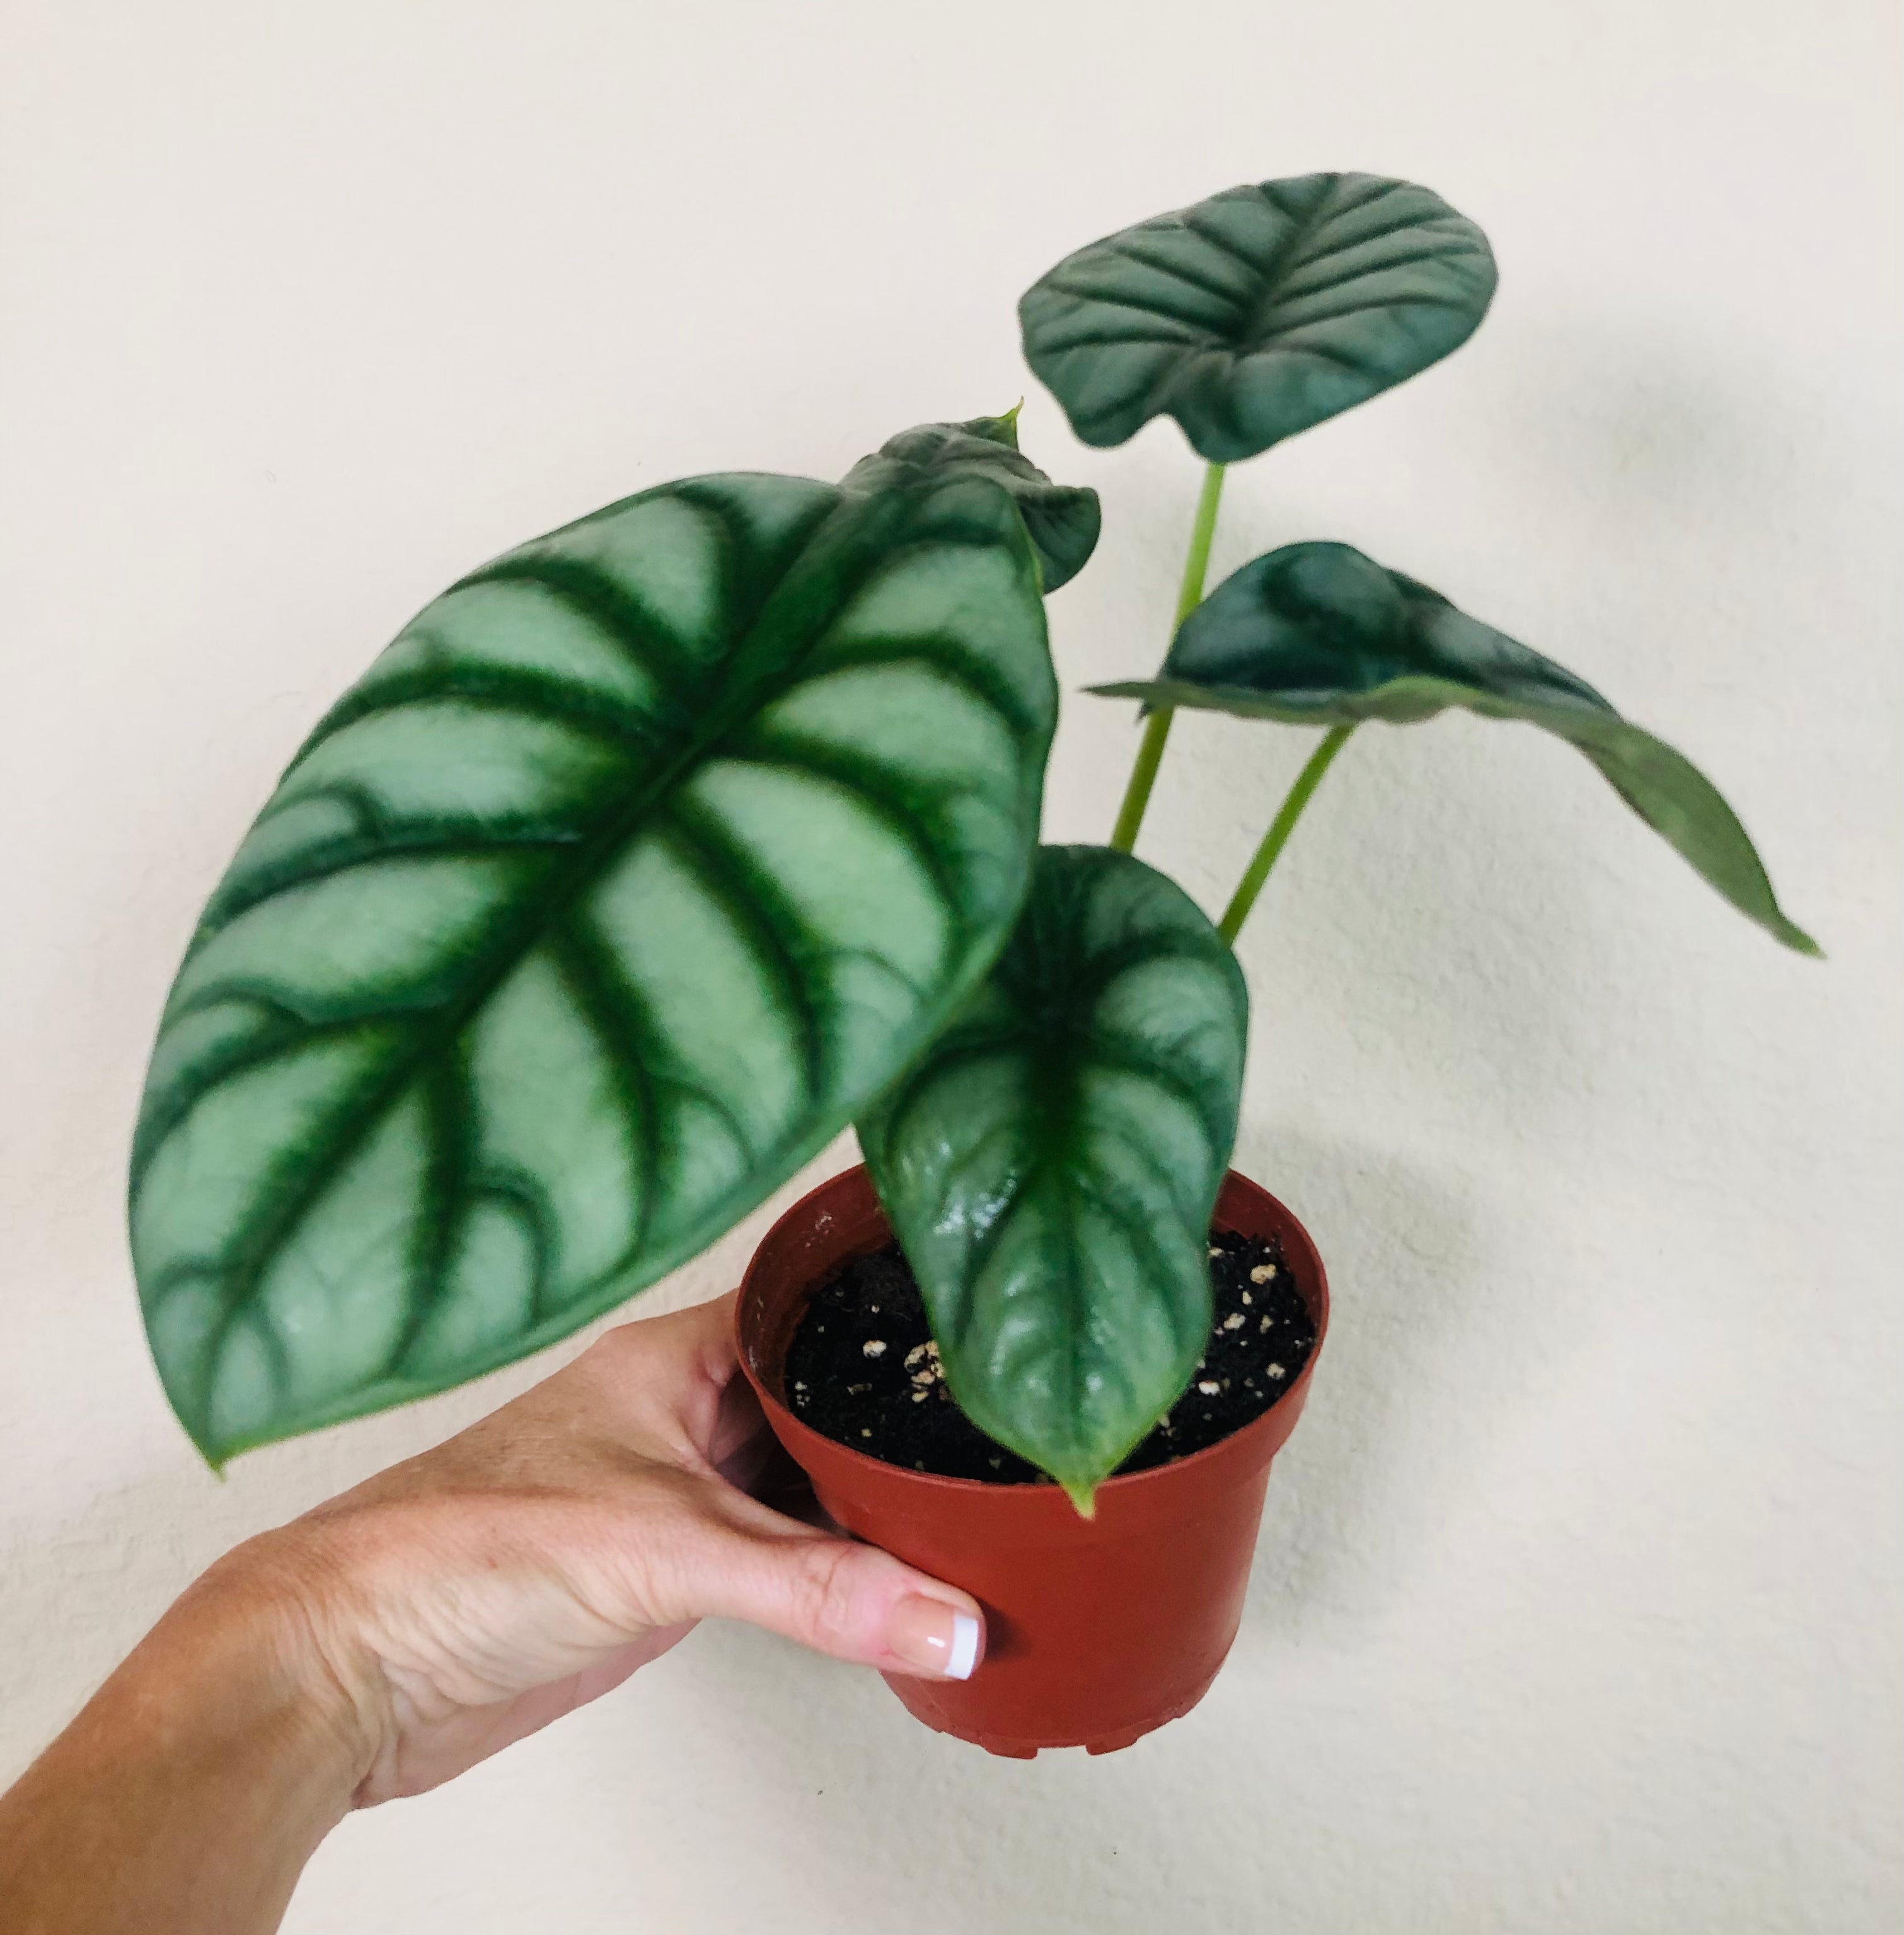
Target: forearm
x=189 y=1793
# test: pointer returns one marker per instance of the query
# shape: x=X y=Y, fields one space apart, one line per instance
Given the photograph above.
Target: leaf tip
x=197 y=1427
x=1083 y=1496
x=1140 y=690
x=1003 y=429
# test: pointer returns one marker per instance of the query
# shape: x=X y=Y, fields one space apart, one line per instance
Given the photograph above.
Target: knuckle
x=662 y=1549
x=607 y=1360
x=825 y=1579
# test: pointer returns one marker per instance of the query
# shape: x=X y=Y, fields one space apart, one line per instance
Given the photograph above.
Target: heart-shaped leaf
x=1064 y=521
x=1051 y=1165
x=1258 y=312
x=645 y=857
x=1318 y=634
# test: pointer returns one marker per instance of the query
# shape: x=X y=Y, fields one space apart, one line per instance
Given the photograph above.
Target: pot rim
x=1300 y=1253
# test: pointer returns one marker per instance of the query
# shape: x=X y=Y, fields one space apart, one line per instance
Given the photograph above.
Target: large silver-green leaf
x=1051 y=1165
x=1318 y=634
x=1062 y=520
x=643 y=858
x=1258 y=312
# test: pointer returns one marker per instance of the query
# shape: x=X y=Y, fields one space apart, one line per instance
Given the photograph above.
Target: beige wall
x=1577 y=1607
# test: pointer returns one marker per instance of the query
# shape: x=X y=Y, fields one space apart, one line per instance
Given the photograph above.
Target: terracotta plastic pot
x=1099 y=1630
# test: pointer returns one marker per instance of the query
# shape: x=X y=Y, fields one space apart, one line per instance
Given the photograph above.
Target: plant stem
x=1281 y=828
x=1189 y=594
x=1157 y=727
x=1143 y=777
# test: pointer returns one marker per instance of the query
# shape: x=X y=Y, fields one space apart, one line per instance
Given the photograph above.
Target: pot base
x=918 y=1698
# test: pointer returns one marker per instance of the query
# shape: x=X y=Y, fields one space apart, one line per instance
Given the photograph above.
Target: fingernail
x=937 y=1638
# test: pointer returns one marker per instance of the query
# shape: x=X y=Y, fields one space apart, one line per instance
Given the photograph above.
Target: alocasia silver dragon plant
x=654 y=853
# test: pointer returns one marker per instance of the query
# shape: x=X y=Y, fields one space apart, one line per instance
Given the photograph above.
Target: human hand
x=470 y=1596
x=384 y=1643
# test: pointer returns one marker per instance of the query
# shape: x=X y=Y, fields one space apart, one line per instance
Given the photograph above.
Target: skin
x=398 y=1634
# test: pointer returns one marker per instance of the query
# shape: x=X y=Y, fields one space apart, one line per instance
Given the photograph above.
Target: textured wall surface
x=1578 y=1601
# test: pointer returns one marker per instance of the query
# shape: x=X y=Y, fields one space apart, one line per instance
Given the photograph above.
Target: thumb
x=850 y=1601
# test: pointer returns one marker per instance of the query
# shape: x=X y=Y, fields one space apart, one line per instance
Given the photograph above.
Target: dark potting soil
x=862 y=1368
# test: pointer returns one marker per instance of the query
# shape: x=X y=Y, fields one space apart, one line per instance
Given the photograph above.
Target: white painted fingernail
x=964 y=1647
x=935 y=1638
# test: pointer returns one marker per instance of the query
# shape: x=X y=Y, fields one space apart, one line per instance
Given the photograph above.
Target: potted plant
x=657 y=851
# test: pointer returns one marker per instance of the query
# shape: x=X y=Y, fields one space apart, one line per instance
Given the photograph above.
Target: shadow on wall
x=1362 y=1490
x=1647 y=437
x=867 y=1820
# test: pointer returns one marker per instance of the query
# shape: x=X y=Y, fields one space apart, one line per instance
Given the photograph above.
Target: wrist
x=194 y=1786
x=234 y=1677
x=265 y=1615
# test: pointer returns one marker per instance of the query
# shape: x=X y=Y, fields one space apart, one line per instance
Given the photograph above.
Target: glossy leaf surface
x=1062 y=520
x=1319 y=634
x=1052 y=1164
x=643 y=858
x=1258 y=312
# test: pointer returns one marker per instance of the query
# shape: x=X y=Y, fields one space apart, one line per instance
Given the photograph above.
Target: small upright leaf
x=1318 y=634
x=1063 y=520
x=1258 y=312
x=646 y=856
x=1051 y=1165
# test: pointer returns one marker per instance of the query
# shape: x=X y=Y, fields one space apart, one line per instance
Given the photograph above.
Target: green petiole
x=1157 y=727
x=1281 y=828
